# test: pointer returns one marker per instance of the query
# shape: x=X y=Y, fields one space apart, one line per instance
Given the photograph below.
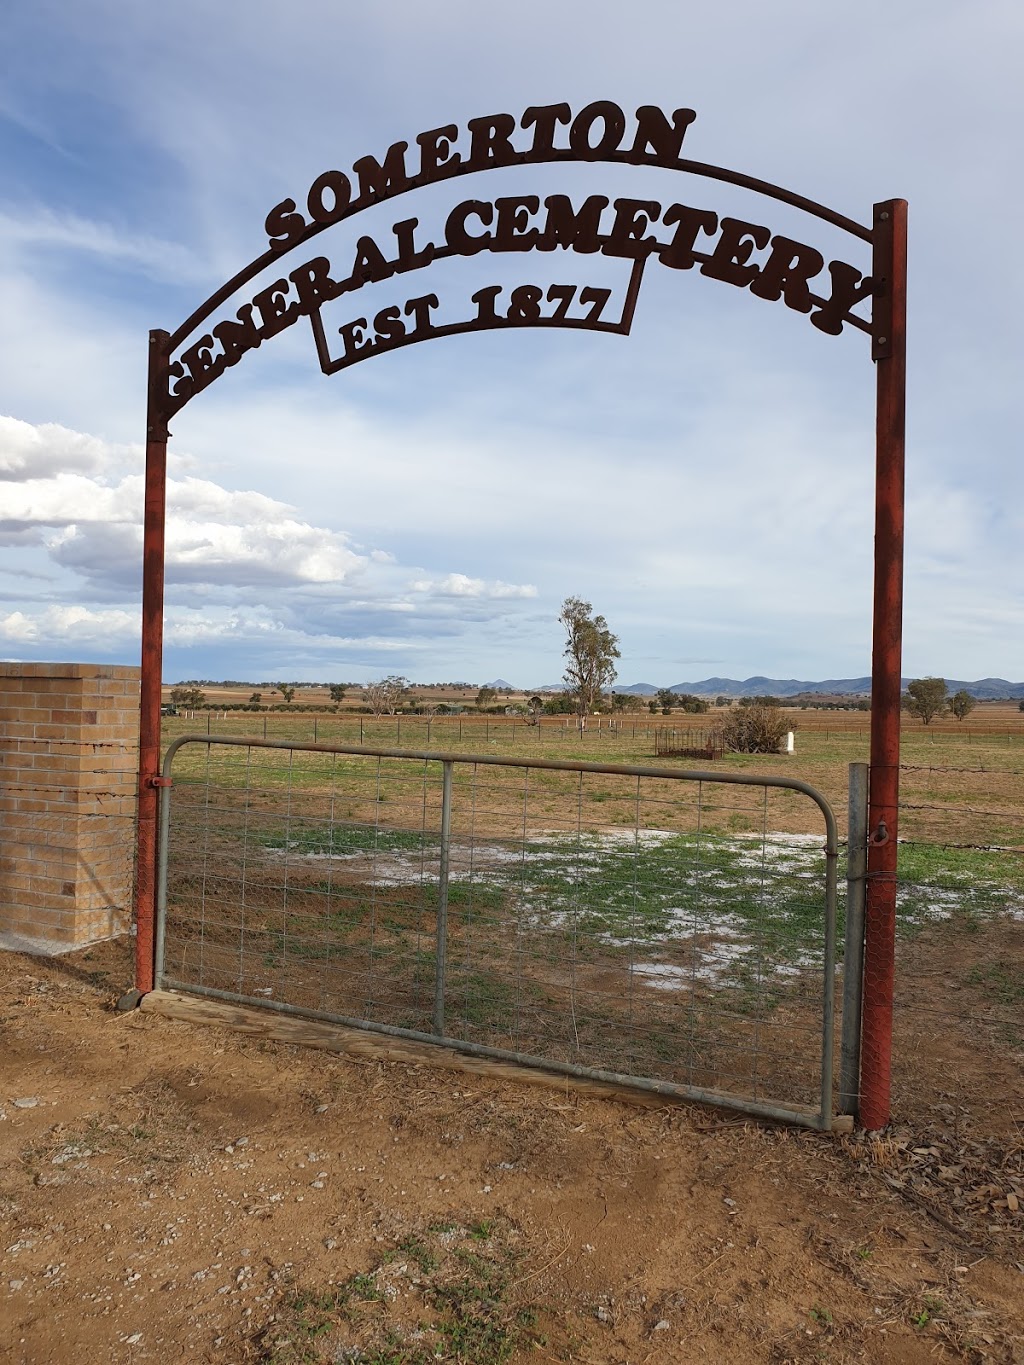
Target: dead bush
x=754 y=730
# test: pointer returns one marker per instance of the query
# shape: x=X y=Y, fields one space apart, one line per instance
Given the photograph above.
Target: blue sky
x=706 y=483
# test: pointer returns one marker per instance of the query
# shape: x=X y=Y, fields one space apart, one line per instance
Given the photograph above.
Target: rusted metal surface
x=152 y=658
x=889 y=271
x=450 y=167
x=545 y=310
x=721 y=247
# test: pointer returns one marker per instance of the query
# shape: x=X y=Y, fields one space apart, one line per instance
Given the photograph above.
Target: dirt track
x=175 y=1192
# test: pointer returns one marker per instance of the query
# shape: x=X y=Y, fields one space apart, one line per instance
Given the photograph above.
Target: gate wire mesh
x=671 y=930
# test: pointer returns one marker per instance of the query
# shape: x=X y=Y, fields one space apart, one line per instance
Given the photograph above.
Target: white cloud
x=282 y=550
x=243 y=569
x=460 y=585
x=75 y=625
x=194 y=627
x=214 y=534
x=33 y=452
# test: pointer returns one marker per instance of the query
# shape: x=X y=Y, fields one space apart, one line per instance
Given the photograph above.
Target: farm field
x=175 y=1189
x=682 y=921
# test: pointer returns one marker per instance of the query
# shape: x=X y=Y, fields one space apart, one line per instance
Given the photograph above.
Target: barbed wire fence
x=959 y=998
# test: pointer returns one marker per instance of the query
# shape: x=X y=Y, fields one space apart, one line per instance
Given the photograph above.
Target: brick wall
x=69 y=738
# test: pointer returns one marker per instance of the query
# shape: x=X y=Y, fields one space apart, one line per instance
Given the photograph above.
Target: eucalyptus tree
x=590 y=650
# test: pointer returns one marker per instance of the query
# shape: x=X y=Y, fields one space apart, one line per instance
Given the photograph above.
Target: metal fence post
x=441 y=938
x=889 y=351
x=163 y=850
x=152 y=657
x=829 y=983
x=853 y=952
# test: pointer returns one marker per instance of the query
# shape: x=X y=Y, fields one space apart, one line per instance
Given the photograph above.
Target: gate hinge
x=161 y=782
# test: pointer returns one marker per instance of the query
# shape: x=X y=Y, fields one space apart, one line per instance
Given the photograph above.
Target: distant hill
x=776 y=687
x=985 y=689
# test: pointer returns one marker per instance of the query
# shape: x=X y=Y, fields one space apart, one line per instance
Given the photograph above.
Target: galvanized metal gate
x=671 y=931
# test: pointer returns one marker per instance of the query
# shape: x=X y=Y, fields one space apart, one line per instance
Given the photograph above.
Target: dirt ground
x=169 y=1191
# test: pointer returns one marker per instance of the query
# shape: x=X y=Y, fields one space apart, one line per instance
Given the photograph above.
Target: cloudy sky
x=706 y=482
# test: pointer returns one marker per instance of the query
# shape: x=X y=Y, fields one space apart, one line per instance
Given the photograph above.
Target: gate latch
x=881 y=834
x=161 y=782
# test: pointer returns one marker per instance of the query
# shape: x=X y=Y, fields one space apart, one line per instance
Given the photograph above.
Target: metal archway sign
x=678 y=236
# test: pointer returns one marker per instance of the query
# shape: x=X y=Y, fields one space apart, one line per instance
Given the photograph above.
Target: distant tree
x=337 y=691
x=190 y=697
x=1020 y=706
x=535 y=704
x=384 y=695
x=560 y=705
x=723 y=701
x=286 y=692
x=255 y=699
x=591 y=650
x=486 y=697
x=961 y=703
x=926 y=697
x=693 y=705
x=627 y=701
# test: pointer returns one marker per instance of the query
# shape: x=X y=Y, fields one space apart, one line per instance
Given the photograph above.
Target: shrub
x=754 y=730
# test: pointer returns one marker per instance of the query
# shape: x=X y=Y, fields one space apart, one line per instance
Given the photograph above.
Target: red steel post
x=152 y=658
x=889 y=271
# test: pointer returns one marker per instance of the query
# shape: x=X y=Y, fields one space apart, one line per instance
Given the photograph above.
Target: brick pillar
x=69 y=736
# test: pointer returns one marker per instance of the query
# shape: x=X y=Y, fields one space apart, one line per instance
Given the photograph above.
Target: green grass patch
x=484 y=999
x=965 y=885
x=999 y=981
x=679 y=886
x=460 y=1303
x=339 y=841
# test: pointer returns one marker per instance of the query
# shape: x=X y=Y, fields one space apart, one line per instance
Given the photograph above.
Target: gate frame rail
x=822 y=1119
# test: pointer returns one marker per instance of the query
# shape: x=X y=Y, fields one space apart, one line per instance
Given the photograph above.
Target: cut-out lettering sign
x=679 y=236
